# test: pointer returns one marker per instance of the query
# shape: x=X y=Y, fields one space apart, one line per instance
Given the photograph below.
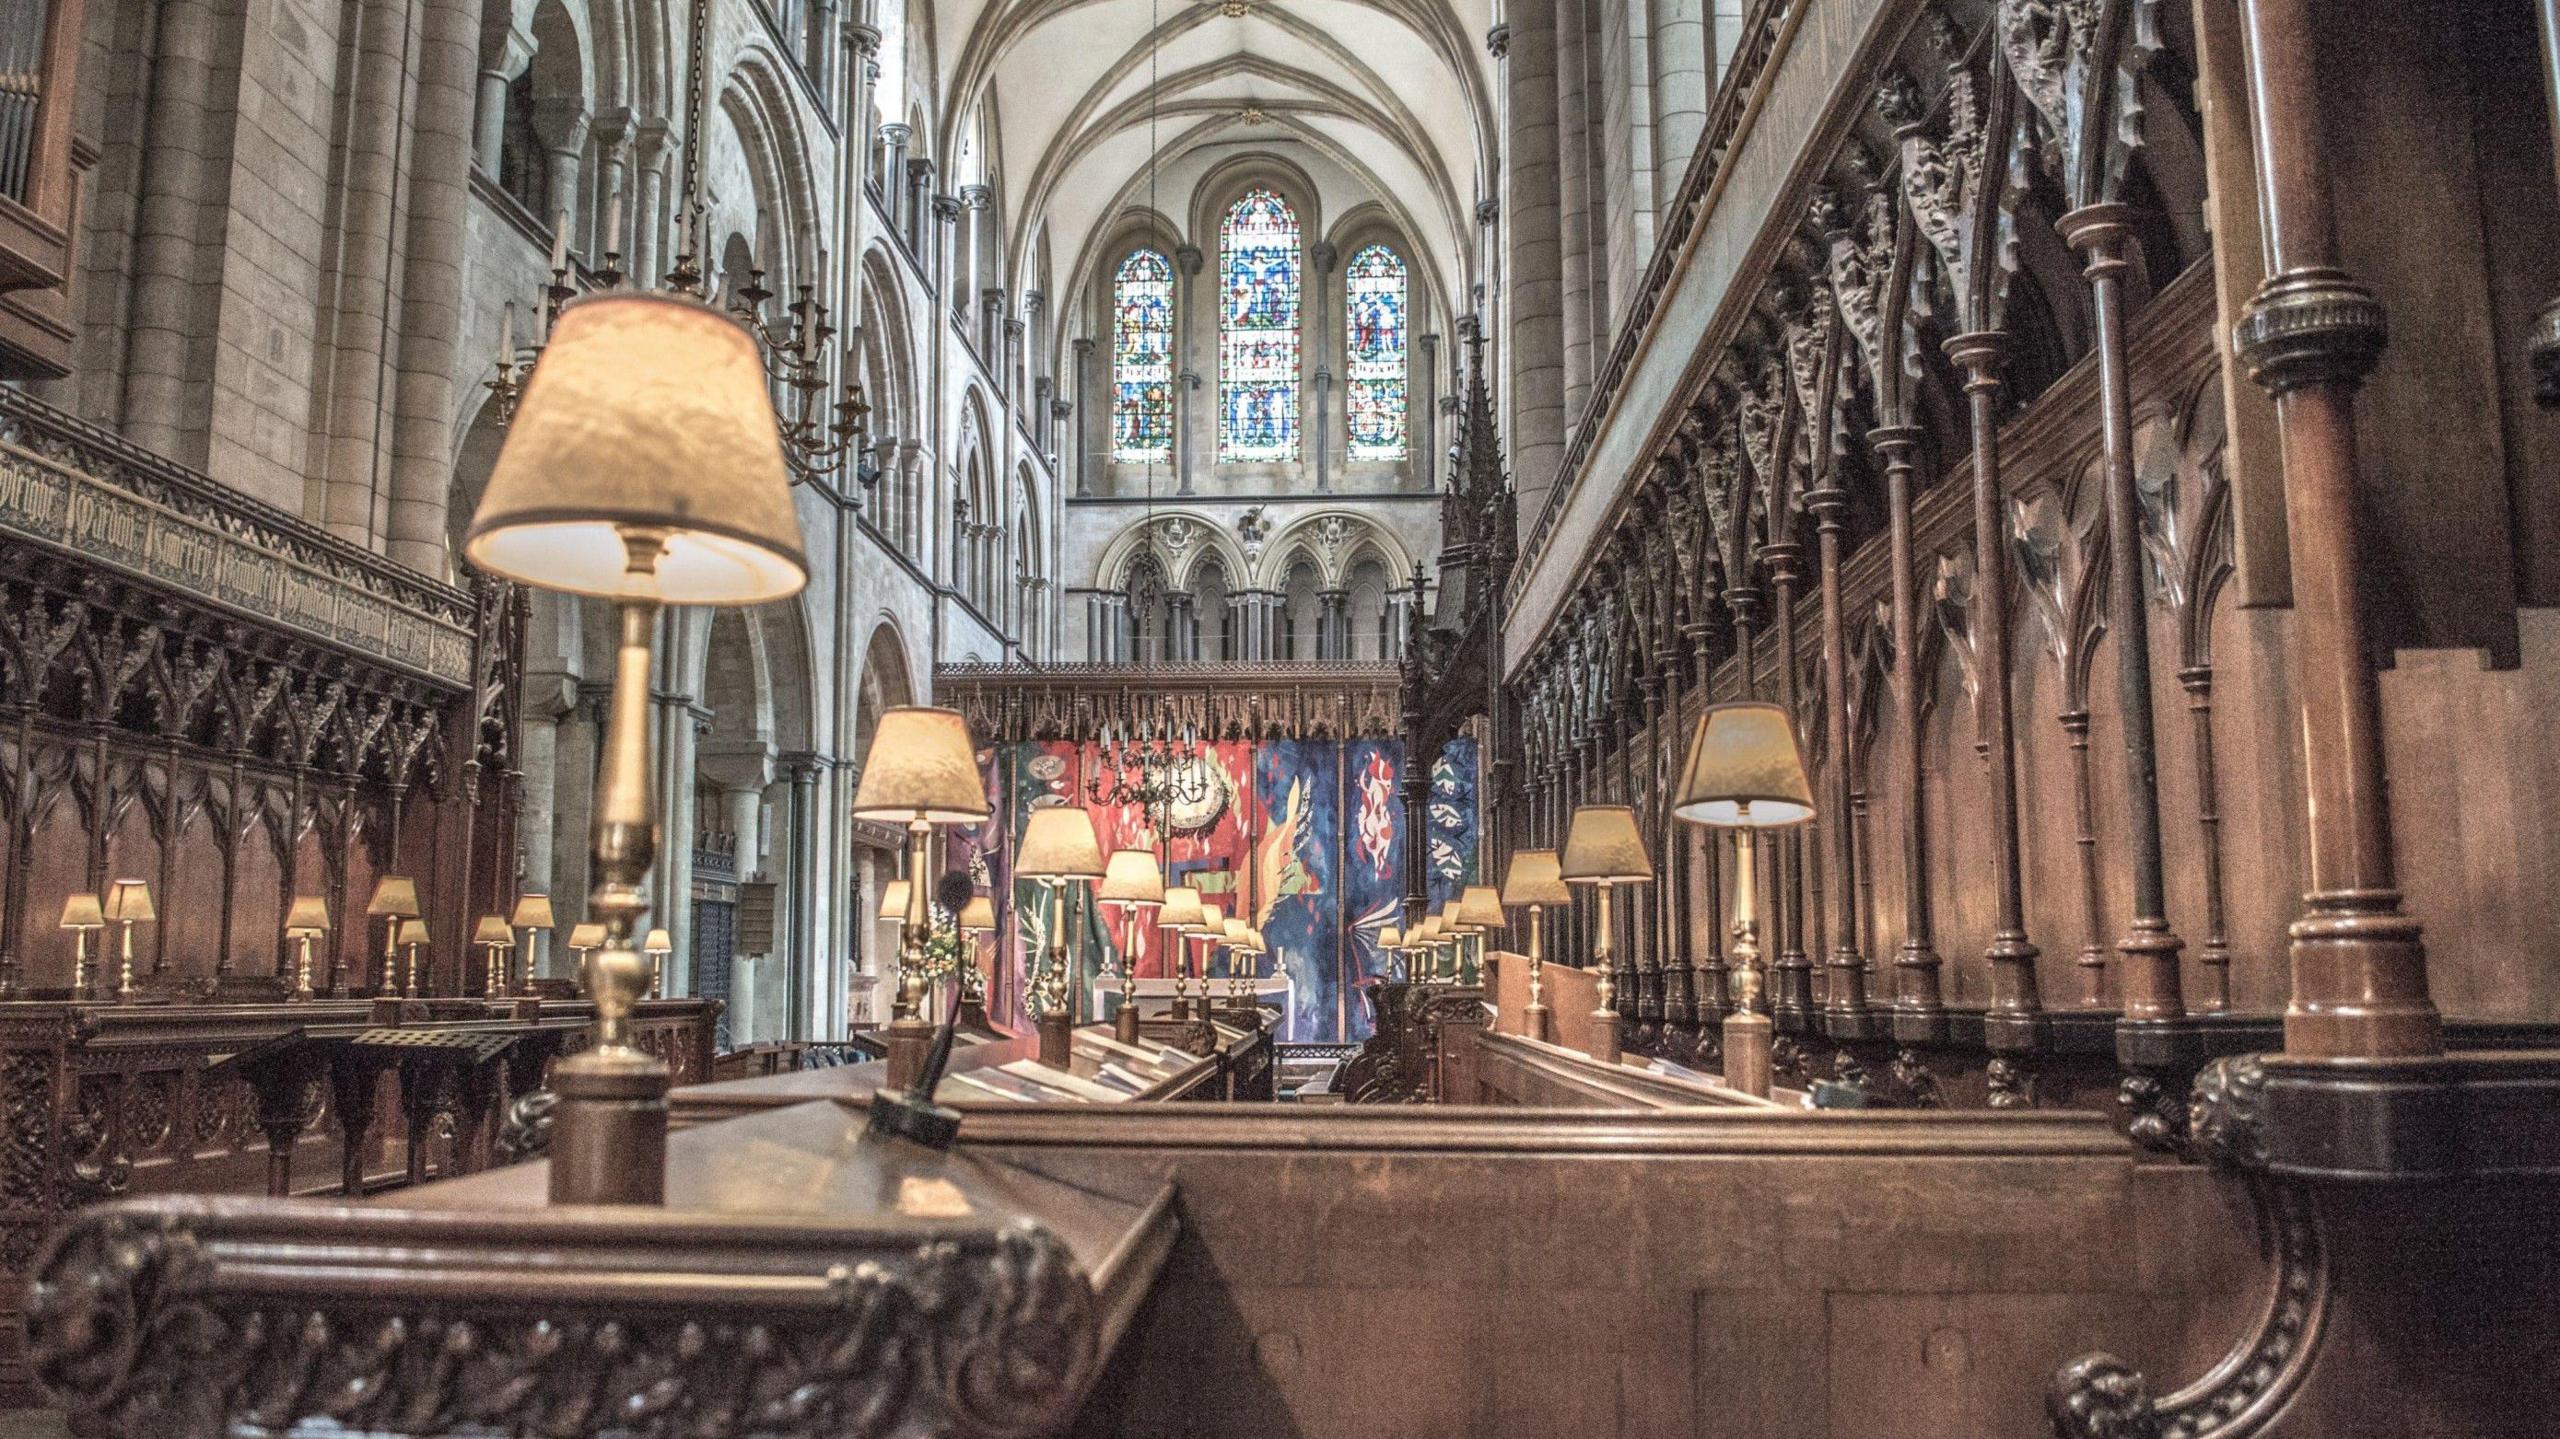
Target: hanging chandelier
x=818 y=433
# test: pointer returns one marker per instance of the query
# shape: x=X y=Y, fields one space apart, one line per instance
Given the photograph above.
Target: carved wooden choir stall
x=2002 y=890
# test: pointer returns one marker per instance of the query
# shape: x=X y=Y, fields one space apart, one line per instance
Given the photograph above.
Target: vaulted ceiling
x=1395 y=95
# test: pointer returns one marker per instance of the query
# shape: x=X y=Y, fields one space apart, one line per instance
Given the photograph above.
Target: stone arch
x=1198 y=535
x=1332 y=539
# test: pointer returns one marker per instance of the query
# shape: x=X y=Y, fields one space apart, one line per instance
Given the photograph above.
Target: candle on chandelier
x=613 y=223
x=560 y=241
x=507 y=335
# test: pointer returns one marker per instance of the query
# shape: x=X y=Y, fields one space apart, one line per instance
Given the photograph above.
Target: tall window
x=1142 y=358
x=1373 y=328
x=1258 y=340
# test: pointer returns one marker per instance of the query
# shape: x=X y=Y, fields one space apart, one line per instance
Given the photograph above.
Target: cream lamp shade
x=493 y=930
x=84 y=911
x=1131 y=877
x=979 y=914
x=1533 y=878
x=658 y=942
x=1253 y=937
x=921 y=765
x=1391 y=937
x=1604 y=846
x=1238 y=932
x=1451 y=922
x=1744 y=769
x=130 y=899
x=1481 y=908
x=1213 y=921
x=414 y=931
x=648 y=412
x=1181 y=908
x=586 y=936
x=1059 y=843
x=394 y=896
x=893 y=899
x=533 y=911
x=309 y=918
x=1426 y=933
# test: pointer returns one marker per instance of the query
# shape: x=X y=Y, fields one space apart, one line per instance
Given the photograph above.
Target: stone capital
x=895 y=133
x=561 y=122
x=737 y=764
x=652 y=140
x=976 y=196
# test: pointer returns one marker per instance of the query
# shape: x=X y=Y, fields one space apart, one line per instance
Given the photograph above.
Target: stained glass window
x=1373 y=332
x=1258 y=337
x=1142 y=358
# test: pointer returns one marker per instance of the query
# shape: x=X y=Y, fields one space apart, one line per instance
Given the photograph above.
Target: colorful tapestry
x=1142 y=358
x=1305 y=839
x=1258 y=330
x=1451 y=813
x=1373 y=300
x=1372 y=869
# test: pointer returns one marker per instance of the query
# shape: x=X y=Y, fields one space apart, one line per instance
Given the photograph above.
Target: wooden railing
x=333 y=1096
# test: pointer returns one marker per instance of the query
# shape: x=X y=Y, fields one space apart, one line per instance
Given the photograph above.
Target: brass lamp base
x=1534 y=1020
x=1604 y=1036
x=609 y=1131
x=1124 y=1022
x=1747 y=1038
x=1057 y=1038
x=910 y=1039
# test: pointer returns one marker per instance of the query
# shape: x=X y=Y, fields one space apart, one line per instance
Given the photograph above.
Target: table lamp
x=1210 y=931
x=496 y=936
x=395 y=899
x=1061 y=853
x=414 y=938
x=1131 y=880
x=533 y=915
x=658 y=946
x=1603 y=849
x=1178 y=915
x=128 y=904
x=585 y=939
x=921 y=770
x=1453 y=932
x=1533 y=882
x=1745 y=773
x=1239 y=944
x=642 y=465
x=306 y=921
x=1480 y=906
x=979 y=917
x=1424 y=940
x=1391 y=941
x=83 y=915
x=893 y=900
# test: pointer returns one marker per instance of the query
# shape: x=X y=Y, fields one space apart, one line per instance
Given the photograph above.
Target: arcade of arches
x=1364 y=455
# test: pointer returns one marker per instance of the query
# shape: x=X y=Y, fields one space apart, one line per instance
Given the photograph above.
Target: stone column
x=1187 y=261
x=1324 y=256
x=799 y=903
x=1423 y=415
x=425 y=408
x=1333 y=625
x=549 y=700
x=1681 y=86
x=893 y=170
x=581 y=732
x=1574 y=192
x=679 y=721
x=1083 y=404
x=561 y=123
x=1028 y=351
x=919 y=210
x=505 y=49
x=1532 y=276
x=650 y=150
x=968 y=269
x=742 y=769
x=614 y=131
x=945 y=245
x=1181 y=628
